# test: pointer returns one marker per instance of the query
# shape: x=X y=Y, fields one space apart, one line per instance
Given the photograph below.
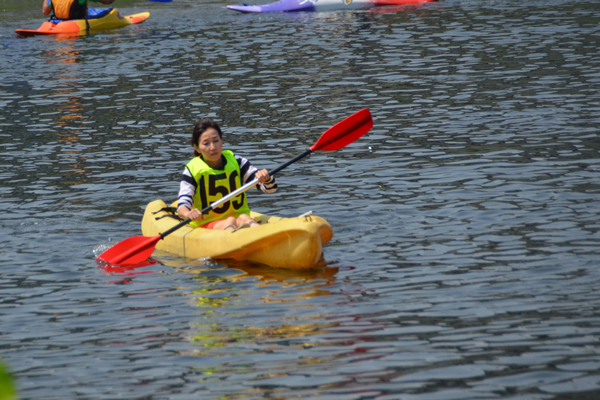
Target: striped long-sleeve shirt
x=188 y=185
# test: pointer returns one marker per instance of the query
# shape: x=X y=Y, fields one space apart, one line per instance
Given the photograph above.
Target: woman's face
x=210 y=146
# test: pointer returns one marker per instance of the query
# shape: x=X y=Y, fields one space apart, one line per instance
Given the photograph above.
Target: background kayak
x=110 y=20
x=321 y=5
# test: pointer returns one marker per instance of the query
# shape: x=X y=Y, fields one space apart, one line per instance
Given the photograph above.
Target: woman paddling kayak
x=214 y=173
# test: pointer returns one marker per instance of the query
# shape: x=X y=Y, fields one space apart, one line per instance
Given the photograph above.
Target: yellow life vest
x=212 y=185
x=69 y=9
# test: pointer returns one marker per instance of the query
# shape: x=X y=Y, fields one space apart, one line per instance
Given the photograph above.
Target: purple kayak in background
x=320 y=5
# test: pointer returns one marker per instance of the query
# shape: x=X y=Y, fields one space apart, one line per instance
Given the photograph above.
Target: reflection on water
x=464 y=261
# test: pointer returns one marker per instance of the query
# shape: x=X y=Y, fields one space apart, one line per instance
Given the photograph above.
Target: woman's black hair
x=201 y=127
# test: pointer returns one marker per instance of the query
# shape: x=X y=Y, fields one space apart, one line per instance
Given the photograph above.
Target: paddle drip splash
x=101 y=248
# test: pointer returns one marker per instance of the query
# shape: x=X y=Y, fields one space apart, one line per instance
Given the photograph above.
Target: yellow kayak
x=294 y=243
x=109 y=20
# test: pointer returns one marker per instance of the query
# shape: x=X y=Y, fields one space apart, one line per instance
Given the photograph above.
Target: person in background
x=69 y=9
x=214 y=173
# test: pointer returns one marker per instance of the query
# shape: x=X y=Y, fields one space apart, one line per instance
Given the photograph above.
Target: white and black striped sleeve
x=247 y=171
x=187 y=189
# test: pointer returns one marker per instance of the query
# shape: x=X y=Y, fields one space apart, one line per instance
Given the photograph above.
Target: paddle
x=139 y=248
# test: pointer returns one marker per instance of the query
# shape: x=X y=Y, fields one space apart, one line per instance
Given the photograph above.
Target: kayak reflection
x=230 y=306
x=265 y=273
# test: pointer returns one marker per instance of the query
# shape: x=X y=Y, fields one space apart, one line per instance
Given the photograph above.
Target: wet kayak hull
x=294 y=243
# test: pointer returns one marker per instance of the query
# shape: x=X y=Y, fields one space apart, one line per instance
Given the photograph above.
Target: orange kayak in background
x=108 y=19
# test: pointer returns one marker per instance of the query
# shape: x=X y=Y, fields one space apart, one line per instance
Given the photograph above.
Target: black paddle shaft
x=173 y=229
x=293 y=160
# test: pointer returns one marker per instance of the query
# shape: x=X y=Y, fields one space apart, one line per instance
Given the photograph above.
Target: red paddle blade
x=345 y=132
x=130 y=251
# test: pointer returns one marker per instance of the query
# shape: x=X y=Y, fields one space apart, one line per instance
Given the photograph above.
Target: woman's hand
x=262 y=176
x=193 y=214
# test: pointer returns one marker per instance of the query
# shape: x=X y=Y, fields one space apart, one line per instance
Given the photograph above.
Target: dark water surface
x=467 y=222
